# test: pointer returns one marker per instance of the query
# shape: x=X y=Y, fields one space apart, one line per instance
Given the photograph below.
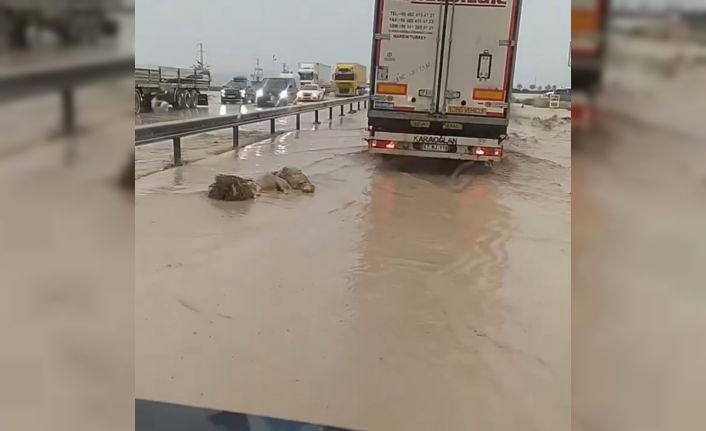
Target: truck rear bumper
x=435 y=155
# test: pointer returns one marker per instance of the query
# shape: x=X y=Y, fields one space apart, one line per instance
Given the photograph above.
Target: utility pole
x=201 y=52
x=200 y=62
x=257 y=76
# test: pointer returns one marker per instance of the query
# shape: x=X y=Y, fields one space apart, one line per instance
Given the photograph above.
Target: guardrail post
x=272 y=126
x=177 y=151
x=359 y=105
x=330 y=113
x=299 y=122
x=316 y=117
x=351 y=110
x=365 y=103
x=342 y=111
x=68 y=111
x=236 y=138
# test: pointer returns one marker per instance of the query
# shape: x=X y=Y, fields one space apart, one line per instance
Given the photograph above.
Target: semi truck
x=441 y=78
x=349 y=79
x=182 y=88
x=315 y=73
x=588 y=26
x=72 y=21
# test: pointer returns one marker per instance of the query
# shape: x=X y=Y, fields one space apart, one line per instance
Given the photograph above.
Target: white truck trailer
x=315 y=73
x=442 y=77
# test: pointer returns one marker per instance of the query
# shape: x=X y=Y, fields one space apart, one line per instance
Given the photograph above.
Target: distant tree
x=520 y=87
x=533 y=87
x=548 y=87
x=554 y=87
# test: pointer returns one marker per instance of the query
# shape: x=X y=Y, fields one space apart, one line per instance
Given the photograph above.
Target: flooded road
x=638 y=326
x=398 y=297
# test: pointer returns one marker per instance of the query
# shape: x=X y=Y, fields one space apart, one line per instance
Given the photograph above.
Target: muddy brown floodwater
x=395 y=298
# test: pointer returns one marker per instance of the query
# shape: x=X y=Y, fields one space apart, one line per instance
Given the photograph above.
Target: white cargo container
x=442 y=77
x=315 y=73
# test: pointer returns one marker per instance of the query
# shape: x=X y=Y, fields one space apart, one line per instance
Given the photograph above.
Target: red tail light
x=582 y=115
x=488 y=151
x=379 y=143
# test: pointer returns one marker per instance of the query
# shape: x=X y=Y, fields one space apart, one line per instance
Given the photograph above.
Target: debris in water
x=271 y=182
x=296 y=178
x=232 y=188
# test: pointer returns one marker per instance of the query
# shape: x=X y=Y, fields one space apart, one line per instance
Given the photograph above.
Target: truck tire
x=179 y=99
x=188 y=101
x=16 y=31
x=139 y=102
x=194 y=99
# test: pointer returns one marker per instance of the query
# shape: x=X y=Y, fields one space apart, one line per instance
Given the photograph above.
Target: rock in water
x=271 y=182
x=232 y=188
x=296 y=178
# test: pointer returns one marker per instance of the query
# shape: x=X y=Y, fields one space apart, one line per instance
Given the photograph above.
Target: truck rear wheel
x=188 y=100
x=15 y=29
x=139 y=102
x=179 y=98
x=194 y=99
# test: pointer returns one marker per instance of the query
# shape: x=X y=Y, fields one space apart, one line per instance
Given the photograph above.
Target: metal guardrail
x=26 y=78
x=175 y=130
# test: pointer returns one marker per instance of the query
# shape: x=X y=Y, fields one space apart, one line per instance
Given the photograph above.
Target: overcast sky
x=237 y=32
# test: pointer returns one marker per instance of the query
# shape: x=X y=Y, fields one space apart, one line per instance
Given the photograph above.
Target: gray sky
x=237 y=32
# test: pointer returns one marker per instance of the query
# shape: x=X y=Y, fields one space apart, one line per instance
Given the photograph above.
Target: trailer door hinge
x=382 y=36
x=506 y=42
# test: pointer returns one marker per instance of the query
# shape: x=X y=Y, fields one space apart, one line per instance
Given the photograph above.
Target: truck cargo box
x=442 y=77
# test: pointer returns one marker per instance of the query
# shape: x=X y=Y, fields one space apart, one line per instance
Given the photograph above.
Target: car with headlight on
x=280 y=91
x=310 y=93
x=238 y=90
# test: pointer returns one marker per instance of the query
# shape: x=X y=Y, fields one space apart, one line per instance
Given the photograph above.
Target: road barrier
x=175 y=130
x=63 y=75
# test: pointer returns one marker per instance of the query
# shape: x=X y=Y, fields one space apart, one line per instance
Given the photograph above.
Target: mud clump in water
x=296 y=179
x=232 y=188
x=548 y=123
x=271 y=182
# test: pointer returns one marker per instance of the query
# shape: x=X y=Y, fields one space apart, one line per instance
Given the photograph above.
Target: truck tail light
x=380 y=143
x=581 y=115
x=488 y=151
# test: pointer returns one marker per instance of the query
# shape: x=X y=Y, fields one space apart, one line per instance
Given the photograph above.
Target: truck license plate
x=444 y=148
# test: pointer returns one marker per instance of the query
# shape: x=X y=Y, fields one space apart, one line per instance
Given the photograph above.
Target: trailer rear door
x=445 y=56
x=479 y=57
x=407 y=45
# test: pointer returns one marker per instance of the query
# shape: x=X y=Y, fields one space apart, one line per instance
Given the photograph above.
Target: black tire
x=179 y=99
x=17 y=33
x=187 y=99
x=194 y=99
x=139 y=102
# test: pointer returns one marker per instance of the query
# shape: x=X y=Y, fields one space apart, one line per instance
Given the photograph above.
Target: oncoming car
x=310 y=93
x=277 y=92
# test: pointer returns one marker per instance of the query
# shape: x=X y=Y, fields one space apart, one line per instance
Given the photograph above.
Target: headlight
x=223 y=92
x=242 y=93
x=259 y=93
x=283 y=94
x=300 y=94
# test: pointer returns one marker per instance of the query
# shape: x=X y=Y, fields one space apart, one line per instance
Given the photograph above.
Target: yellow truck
x=349 y=79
